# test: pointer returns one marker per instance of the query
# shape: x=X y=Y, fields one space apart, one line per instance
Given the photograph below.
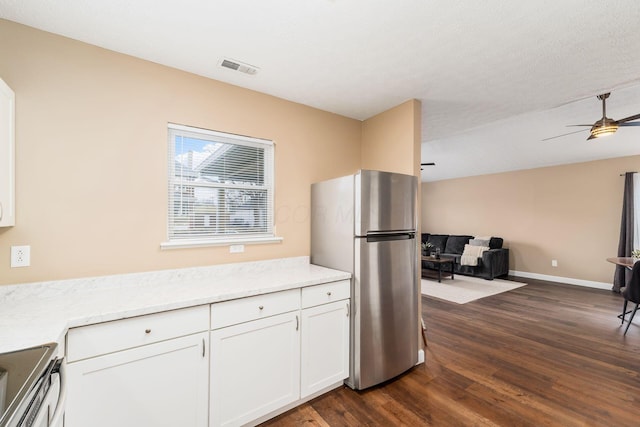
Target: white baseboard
x=558 y=279
x=420 y=356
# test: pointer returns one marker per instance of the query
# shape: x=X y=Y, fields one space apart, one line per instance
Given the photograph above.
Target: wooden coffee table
x=440 y=262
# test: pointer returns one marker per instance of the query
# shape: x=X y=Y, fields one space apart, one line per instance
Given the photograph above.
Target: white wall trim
x=568 y=280
x=195 y=243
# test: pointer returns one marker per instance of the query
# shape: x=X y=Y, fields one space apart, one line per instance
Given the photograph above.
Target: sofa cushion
x=438 y=241
x=495 y=243
x=479 y=242
x=455 y=244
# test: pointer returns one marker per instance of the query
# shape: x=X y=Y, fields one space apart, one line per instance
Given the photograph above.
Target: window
x=220 y=188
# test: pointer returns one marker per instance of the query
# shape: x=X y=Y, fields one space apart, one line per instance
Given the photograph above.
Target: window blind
x=220 y=186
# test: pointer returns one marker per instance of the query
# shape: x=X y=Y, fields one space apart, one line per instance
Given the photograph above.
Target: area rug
x=464 y=289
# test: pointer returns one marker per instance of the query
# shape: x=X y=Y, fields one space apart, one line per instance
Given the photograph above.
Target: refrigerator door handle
x=387 y=232
x=379 y=237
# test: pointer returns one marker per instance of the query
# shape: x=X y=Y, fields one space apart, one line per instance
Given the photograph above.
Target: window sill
x=178 y=244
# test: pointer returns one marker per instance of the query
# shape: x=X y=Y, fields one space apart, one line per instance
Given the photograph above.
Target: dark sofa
x=494 y=262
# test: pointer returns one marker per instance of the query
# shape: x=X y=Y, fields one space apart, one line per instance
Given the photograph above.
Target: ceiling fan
x=605 y=126
x=427 y=164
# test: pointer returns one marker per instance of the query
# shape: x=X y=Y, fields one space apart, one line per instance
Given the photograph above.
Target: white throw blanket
x=471 y=254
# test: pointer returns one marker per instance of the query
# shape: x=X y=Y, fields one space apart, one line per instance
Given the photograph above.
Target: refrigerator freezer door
x=385 y=325
x=384 y=201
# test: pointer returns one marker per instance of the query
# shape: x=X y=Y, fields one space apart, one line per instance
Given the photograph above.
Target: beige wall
x=570 y=213
x=91 y=156
x=391 y=140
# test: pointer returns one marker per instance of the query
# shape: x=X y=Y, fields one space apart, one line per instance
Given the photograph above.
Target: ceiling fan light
x=604 y=127
x=598 y=132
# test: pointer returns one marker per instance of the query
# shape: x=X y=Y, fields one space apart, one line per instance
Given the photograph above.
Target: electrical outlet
x=20 y=256
x=554 y=263
x=236 y=249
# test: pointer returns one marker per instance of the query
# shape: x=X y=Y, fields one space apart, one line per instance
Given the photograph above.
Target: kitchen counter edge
x=36 y=313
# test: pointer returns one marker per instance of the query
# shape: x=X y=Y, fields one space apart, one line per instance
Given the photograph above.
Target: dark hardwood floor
x=545 y=354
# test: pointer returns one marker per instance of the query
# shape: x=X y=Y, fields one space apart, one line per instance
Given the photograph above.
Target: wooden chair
x=631 y=292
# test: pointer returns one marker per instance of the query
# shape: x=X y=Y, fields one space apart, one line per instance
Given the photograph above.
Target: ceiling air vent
x=238 y=66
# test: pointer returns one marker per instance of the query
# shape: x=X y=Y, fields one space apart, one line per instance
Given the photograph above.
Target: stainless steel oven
x=32 y=388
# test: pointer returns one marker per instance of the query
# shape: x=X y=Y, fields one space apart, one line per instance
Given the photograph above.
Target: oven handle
x=62 y=396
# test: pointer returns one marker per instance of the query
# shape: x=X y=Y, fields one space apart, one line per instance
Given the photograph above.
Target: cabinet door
x=325 y=346
x=161 y=384
x=255 y=368
x=7 y=156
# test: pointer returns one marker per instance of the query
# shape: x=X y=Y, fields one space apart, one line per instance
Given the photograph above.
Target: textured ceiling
x=488 y=73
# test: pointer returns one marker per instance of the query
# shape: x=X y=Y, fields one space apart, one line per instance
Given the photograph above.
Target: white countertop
x=37 y=313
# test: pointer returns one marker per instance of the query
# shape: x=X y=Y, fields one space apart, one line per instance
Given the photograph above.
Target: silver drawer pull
x=329 y=293
x=261 y=307
x=347 y=309
x=147 y=331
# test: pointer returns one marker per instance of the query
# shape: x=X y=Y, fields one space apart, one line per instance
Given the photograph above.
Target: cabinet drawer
x=325 y=293
x=108 y=337
x=246 y=309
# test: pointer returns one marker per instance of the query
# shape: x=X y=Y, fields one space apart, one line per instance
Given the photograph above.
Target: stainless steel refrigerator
x=366 y=224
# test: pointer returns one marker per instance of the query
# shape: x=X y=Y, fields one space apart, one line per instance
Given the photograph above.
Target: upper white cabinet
x=7 y=155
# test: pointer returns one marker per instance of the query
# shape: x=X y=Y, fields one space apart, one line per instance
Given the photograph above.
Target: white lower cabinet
x=255 y=368
x=226 y=364
x=324 y=347
x=271 y=352
x=163 y=382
